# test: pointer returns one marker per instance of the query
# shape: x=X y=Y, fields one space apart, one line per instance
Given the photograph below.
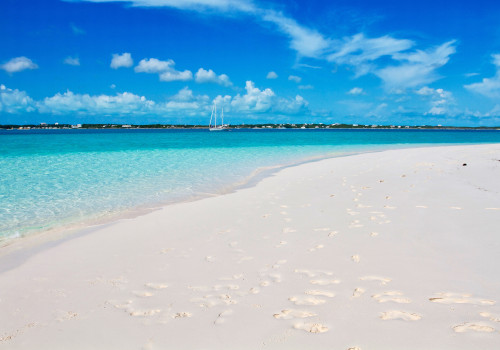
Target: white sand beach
x=391 y=250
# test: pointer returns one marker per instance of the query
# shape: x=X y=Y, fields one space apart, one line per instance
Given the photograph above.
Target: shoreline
x=57 y=232
x=391 y=249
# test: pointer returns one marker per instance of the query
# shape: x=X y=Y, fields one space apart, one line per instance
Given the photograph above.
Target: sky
x=304 y=61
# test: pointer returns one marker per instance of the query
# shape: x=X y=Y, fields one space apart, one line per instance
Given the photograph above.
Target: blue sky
x=167 y=61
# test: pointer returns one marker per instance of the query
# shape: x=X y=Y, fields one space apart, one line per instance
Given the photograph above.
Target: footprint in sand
x=182 y=315
x=221 y=317
x=144 y=313
x=474 y=327
x=302 y=300
x=400 y=315
x=456 y=208
x=313 y=273
x=156 y=286
x=324 y=282
x=142 y=293
x=358 y=292
x=319 y=246
x=382 y=280
x=323 y=293
x=421 y=206
x=289 y=230
x=356 y=258
x=333 y=233
x=394 y=296
x=289 y=314
x=457 y=298
x=490 y=316
x=373 y=234
x=311 y=327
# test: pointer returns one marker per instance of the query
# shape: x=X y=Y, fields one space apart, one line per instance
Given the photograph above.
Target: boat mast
x=222 y=123
x=211 y=116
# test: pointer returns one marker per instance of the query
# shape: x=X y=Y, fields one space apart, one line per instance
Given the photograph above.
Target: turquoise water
x=53 y=178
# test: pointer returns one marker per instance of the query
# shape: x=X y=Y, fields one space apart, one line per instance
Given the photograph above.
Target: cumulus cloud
x=153 y=65
x=306 y=87
x=121 y=103
x=254 y=101
x=72 y=61
x=355 y=91
x=440 y=100
x=123 y=60
x=209 y=76
x=271 y=75
x=18 y=64
x=165 y=70
x=259 y=101
x=295 y=78
x=15 y=101
x=489 y=87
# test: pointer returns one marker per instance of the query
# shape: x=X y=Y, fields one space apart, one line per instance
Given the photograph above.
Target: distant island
x=46 y=126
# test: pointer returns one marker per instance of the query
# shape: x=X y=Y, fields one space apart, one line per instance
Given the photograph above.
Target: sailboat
x=214 y=126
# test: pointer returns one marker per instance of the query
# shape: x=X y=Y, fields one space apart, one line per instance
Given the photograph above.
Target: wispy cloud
x=489 y=87
x=271 y=75
x=72 y=61
x=416 y=68
x=306 y=41
x=209 y=76
x=121 y=60
x=295 y=78
x=77 y=30
x=355 y=91
x=196 y=5
x=18 y=64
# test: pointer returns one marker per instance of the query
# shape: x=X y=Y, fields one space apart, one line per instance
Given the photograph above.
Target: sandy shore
x=391 y=250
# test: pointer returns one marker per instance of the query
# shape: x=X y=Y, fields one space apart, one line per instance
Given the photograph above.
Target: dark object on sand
x=465 y=164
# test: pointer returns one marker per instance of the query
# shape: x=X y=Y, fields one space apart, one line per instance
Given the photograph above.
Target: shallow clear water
x=50 y=178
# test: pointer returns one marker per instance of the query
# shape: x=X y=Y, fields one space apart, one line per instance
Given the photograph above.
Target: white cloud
x=306 y=41
x=417 y=68
x=355 y=91
x=184 y=103
x=271 y=75
x=18 y=64
x=197 y=5
x=209 y=76
x=440 y=101
x=123 y=60
x=306 y=87
x=360 y=52
x=76 y=30
x=153 y=65
x=121 y=103
x=489 y=87
x=260 y=101
x=295 y=78
x=165 y=69
x=72 y=61
x=15 y=101
x=175 y=75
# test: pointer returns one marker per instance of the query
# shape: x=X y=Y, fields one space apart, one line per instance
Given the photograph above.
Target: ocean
x=52 y=179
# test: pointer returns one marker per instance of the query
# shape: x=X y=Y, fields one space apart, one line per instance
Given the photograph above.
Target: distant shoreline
x=303 y=126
